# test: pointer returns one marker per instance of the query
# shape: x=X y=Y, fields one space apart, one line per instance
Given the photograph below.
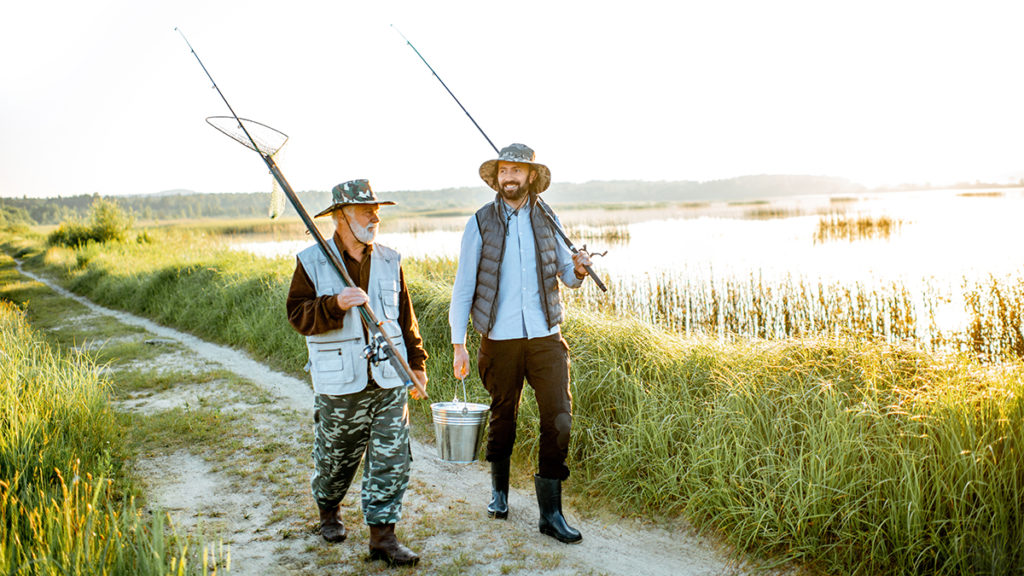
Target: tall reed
x=761 y=308
x=61 y=511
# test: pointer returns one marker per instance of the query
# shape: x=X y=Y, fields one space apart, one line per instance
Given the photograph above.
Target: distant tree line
x=186 y=205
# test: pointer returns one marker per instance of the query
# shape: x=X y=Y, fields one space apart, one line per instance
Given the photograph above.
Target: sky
x=105 y=96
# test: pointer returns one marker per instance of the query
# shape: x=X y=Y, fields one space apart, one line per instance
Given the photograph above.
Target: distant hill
x=175 y=192
x=185 y=204
x=760 y=187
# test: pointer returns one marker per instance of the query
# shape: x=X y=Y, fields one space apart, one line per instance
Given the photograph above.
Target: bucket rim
x=458 y=406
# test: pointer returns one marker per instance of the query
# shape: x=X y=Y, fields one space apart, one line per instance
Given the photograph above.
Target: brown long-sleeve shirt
x=311 y=314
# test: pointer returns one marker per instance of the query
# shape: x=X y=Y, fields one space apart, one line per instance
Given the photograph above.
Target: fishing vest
x=492 y=226
x=336 y=361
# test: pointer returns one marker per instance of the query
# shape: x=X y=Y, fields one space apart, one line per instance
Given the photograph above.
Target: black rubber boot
x=552 y=523
x=498 y=508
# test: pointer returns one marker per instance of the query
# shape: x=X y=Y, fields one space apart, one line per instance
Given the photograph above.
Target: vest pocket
x=389 y=298
x=333 y=365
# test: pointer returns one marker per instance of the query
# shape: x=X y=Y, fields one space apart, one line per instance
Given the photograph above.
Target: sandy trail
x=444 y=505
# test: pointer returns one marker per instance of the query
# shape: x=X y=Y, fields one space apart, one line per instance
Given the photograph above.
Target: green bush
x=107 y=223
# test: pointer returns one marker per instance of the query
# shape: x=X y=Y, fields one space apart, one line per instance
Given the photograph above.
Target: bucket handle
x=465 y=398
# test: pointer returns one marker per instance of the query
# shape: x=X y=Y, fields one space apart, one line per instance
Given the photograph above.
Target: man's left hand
x=421 y=377
x=581 y=259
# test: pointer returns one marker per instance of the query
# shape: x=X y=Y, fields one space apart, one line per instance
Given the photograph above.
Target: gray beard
x=365 y=235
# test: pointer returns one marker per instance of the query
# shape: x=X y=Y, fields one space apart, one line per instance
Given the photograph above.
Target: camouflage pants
x=374 y=422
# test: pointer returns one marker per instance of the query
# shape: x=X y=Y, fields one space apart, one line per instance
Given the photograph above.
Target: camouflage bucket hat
x=351 y=193
x=522 y=154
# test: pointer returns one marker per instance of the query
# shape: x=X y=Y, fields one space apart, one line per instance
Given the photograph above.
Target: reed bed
x=730 y=308
x=996 y=312
x=63 y=509
x=607 y=233
x=771 y=213
x=837 y=226
x=983 y=194
x=845 y=454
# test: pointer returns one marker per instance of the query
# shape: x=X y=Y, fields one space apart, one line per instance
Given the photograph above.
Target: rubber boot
x=498 y=508
x=384 y=545
x=552 y=522
x=331 y=527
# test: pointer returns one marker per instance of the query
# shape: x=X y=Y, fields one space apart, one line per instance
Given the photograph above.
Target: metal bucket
x=459 y=428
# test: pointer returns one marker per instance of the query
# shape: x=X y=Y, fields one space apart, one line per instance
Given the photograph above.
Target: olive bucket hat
x=351 y=193
x=522 y=154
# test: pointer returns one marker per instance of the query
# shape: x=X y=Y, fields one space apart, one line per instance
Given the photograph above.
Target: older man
x=509 y=267
x=360 y=407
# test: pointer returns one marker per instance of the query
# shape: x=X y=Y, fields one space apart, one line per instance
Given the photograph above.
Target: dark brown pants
x=544 y=363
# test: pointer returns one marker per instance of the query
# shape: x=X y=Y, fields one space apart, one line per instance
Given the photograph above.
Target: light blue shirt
x=520 y=313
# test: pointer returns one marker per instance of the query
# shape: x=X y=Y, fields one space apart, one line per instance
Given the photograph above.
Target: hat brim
x=334 y=207
x=489 y=174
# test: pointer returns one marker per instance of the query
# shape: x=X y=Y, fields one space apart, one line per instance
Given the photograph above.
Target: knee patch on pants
x=563 y=423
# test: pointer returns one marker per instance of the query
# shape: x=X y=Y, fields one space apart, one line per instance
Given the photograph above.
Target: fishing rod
x=380 y=344
x=542 y=205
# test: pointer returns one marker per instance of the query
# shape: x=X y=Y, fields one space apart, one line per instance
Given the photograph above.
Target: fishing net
x=261 y=138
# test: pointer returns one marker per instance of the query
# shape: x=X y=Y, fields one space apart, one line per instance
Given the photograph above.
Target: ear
x=533 y=175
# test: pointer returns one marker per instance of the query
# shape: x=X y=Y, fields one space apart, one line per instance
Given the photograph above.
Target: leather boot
x=331 y=527
x=385 y=546
x=552 y=523
x=498 y=508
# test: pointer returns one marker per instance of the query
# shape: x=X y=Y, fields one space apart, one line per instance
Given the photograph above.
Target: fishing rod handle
x=597 y=280
x=568 y=243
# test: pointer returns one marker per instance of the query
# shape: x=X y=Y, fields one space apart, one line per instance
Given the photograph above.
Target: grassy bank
x=65 y=506
x=847 y=456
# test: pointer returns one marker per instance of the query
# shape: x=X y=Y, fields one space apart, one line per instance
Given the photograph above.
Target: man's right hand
x=460 y=364
x=351 y=296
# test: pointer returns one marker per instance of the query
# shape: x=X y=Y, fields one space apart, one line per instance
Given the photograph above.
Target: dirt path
x=261 y=509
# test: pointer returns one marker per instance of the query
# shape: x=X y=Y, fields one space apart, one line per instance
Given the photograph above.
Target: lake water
x=938 y=242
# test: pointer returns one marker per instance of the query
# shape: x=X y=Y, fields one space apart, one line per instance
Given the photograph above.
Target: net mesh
x=263 y=139
x=267 y=140
x=277 y=199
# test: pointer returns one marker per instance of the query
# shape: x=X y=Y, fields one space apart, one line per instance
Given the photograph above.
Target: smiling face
x=513 y=179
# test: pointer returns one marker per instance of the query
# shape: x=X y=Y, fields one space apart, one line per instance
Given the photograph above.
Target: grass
x=64 y=503
x=845 y=455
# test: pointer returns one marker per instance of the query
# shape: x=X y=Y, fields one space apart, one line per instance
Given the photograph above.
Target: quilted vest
x=491 y=224
x=336 y=361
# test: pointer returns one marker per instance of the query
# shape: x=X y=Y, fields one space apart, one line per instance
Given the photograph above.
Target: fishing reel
x=377 y=350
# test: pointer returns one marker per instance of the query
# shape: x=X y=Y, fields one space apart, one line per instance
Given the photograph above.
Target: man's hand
x=421 y=377
x=351 y=296
x=581 y=259
x=460 y=365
